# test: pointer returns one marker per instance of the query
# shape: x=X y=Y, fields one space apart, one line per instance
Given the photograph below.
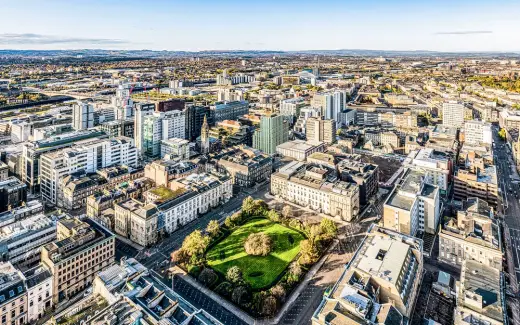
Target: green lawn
x=259 y=271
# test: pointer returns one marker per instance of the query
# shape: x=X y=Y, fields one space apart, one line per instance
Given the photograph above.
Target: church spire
x=204 y=136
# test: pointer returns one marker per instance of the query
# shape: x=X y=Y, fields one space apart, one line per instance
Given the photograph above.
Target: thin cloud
x=31 y=39
x=467 y=32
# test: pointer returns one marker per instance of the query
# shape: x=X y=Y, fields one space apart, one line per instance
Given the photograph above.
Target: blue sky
x=456 y=25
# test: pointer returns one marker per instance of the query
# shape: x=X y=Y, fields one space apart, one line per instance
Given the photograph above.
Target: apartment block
x=162 y=126
x=274 y=130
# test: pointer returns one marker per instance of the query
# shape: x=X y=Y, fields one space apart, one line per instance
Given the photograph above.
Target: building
x=290 y=108
x=330 y=103
x=175 y=147
x=195 y=118
x=316 y=187
x=305 y=113
x=81 y=250
x=38 y=281
x=478 y=132
x=136 y=221
x=113 y=128
x=32 y=151
x=163 y=172
x=162 y=126
x=230 y=94
x=365 y=175
x=453 y=114
x=481 y=296
x=435 y=165
x=474 y=235
x=87 y=157
x=82 y=116
x=274 y=130
x=232 y=133
x=141 y=111
x=21 y=239
x=13 y=193
x=169 y=105
x=413 y=206
x=318 y=129
x=379 y=285
x=299 y=149
x=4 y=171
x=246 y=166
x=193 y=196
x=204 y=137
x=13 y=295
x=229 y=110
x=443 y=138
x=476 y=178
x=509 y=119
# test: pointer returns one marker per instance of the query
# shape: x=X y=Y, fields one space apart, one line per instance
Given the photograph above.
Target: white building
x=38 y=281
x=87 y=156
x=435 y=166
x=162 y=126
x=453 y=114
x=299 y=149
x=82 y=116
x=199 y=193
x=176 y=147
x=478 y=132
x=21 y=239
x=123 y=104
x=20 y=132
x=291 y=107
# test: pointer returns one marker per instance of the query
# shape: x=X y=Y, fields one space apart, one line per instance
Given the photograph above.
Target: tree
x=208 y=277
x=328 y=228
x=195 y=244
x=278 y=291
x=287 y=211
x=269 y=306
x=258 y=244
x=224 y=289
x=248 y=206
x=273 y=216
x=295 y=269
x=213 y=228
x=240 y=296
x=502 y=134
x=179 y=256
x=234 y=275
x=309 y=253
x=314 y=232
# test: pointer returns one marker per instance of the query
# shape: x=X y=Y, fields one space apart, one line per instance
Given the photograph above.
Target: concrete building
x=13 y=295
x=379 y=285
x=13 y=193
x=82 y=116
x=194 y=196
x=162 y=126
x=175 y=147
x=136 y=221
x=305 y=113
x=478 y=132
x=22 y=239
x=87 y=157
x=229 y=110
x=81 y=250
x=299 y=149
x=330 y=103
x=317 y=188
x=274 y=130
x=481 y=297
x=319 y=129
x=113 y=128
x=246 y=166
x=413 y=206
x=453 y=114
x=365 y=175
x=474 y=235
x=435 y=165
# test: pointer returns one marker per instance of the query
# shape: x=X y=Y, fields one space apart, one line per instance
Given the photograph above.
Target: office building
x=82 y=249
x=123 y=103
x=365 y=175
x=82 y=116
x=118 y=128
x=141 y=111
x=175 y=147
x=478 y=132
x=473 y=235
x=229 y=110
x=330 y=103
x=305 y=113
x=195 y=118
x=453 y=114
x=274 y=130
x=136 y=221
x=379 y=285
x=481 y=296
x=299 y=149
x=232 y=133
x=169 y=105
x=318 y=188
x=162 y=126
x=435 y=165
x=413 y=206
x=318 y=129
x=290 y=108
x=476 y=178
x=246 y=166
x=13 y=193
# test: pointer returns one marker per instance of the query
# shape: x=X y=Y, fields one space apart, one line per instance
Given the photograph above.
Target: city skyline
x=289 y=26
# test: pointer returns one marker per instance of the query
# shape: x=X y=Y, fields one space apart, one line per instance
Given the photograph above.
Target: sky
x=195 y=25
